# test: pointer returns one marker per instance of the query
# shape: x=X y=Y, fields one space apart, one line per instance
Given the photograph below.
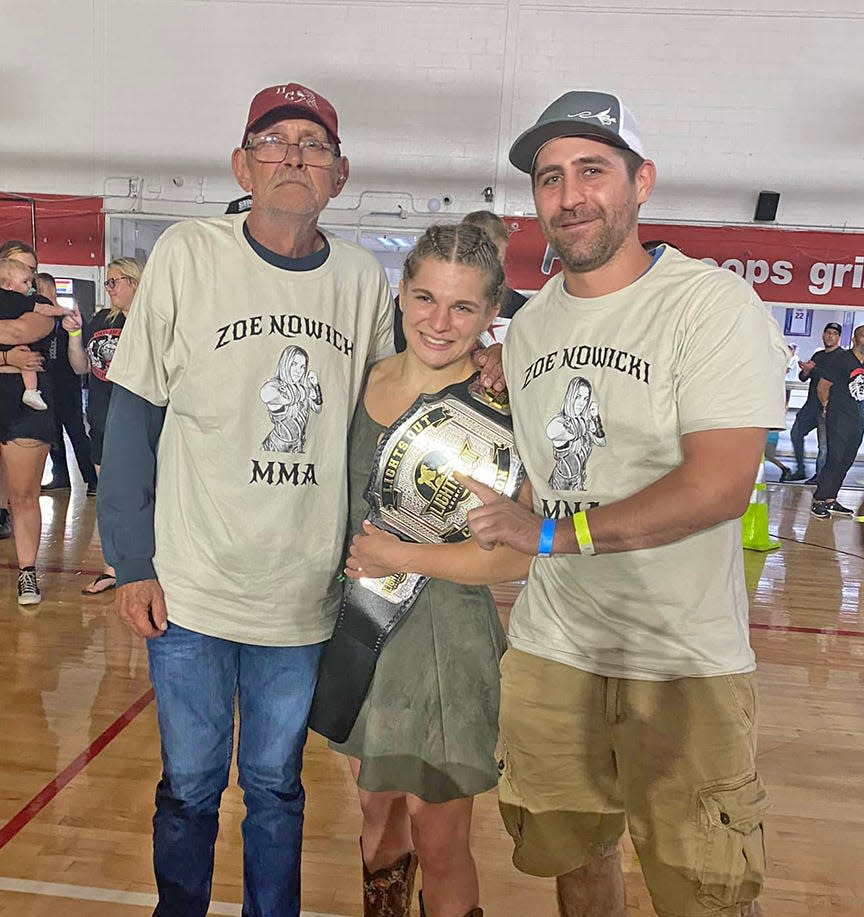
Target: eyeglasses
x=112 y=282
x=273 y=148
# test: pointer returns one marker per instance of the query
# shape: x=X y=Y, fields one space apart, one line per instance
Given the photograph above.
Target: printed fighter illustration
x=574 y=433
x=100 y=351
x=290 y=396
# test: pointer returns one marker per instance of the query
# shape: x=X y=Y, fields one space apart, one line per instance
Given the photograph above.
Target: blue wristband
x=547 y=536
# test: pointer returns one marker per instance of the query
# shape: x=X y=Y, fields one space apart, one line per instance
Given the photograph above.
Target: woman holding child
x=26 y=432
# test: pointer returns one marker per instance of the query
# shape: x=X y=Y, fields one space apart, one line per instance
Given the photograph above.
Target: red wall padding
x=69 y=230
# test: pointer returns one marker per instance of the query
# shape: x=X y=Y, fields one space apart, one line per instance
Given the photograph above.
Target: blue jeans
x=822 y=440
x=809 y=418
x=196 y=679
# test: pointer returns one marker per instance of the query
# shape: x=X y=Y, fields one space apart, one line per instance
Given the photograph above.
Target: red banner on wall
x=67 y=230
x=784 y=266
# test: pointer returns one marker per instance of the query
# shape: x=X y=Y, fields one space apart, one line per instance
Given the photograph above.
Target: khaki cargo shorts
x=580 y=754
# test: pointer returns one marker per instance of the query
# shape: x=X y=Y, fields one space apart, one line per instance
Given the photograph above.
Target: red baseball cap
x=296 y=99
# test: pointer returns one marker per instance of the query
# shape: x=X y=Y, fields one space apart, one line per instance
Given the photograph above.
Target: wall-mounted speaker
x=766 y=206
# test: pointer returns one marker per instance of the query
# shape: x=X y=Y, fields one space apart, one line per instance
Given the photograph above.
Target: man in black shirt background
x=67 y=406
x=809 y=416
x=841 y=389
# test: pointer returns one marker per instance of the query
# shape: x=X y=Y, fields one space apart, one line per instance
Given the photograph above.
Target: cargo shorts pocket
x=509 y=801
x=732 y=863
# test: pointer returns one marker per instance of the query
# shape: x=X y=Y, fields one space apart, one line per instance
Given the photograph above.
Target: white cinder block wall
x=148 y=97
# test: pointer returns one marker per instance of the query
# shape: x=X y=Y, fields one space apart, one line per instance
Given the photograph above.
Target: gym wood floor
x=79 y=753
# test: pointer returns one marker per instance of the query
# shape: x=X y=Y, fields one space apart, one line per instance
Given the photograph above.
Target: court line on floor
x=790 y=629
x=42 y=798
x=111 y=896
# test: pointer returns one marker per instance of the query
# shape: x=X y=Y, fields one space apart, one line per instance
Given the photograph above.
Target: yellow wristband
x=583 y=534
x=74 y=334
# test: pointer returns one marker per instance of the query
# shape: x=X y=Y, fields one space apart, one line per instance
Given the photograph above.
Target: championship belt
x=412 y=494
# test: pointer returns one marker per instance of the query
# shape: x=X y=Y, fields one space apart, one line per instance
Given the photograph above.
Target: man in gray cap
x=628 y=693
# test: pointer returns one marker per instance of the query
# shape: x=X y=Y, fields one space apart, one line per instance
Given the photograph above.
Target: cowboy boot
x=476 y=912
x=388 y=892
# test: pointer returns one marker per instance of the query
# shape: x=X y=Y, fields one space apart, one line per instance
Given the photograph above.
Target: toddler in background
x=19 y=277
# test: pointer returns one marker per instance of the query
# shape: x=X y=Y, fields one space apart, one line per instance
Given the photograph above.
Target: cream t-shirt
x=602 y=390
x=260 y=369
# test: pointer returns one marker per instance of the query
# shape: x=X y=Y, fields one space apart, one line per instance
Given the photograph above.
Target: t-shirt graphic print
x=291 y=396
x=574 y=431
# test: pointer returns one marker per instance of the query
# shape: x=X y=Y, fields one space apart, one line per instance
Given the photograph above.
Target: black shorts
x=17 y=421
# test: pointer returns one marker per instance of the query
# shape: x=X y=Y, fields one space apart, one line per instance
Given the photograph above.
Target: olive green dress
x=429 y=723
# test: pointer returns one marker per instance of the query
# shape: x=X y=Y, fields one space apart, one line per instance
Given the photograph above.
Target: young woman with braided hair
x=424 y=743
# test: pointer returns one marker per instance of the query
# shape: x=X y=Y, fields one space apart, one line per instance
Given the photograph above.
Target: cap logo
x=602 y=116
x=298 y=96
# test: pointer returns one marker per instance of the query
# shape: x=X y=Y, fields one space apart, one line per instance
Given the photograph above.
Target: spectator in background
x=771 y=455
x=496 y=229
x=774 y=435
x=68 y=410
x=93 y=352
x=511 y=300
x=18 y=277
x=25 y=434
x=841 y=389
x=810 y=416
x=792 y=365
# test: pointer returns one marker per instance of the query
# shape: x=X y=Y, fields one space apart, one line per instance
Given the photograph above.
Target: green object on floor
x=754 y=529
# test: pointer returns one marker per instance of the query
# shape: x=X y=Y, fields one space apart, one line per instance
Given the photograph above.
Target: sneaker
x=813 y=480
x=798 y=475
x=28 y=588
x=32 y=397
x=55 y=485
x=820 y=510
x=838 y=509
x=5 y=524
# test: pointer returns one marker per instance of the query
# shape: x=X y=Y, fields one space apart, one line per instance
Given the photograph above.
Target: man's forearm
x=677 y=505
x=127 y=485
x=691 y=498
x=77 y=357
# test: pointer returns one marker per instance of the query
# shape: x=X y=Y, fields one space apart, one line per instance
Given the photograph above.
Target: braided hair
x=459 y=243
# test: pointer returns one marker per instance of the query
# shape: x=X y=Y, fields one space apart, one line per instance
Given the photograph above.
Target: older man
x=629 y=693
x=242 y=358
